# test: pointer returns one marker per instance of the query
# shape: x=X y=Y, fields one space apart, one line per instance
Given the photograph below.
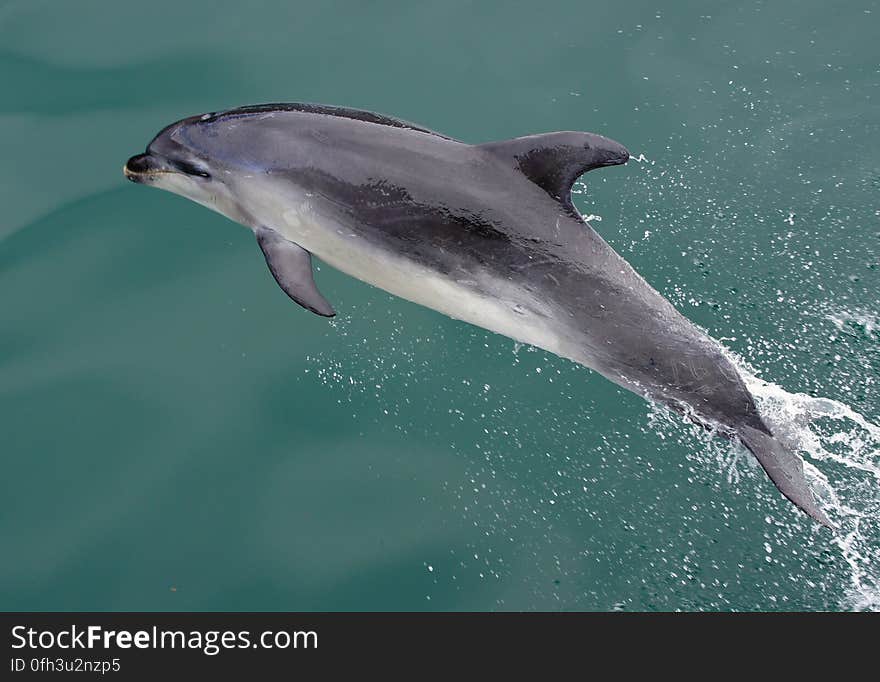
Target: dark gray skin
x=495 y=220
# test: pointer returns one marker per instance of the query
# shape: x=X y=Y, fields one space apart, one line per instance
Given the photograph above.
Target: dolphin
x=483 y=233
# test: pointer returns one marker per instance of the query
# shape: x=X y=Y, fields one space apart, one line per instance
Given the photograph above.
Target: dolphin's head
x=602 y=151
x=173 y=162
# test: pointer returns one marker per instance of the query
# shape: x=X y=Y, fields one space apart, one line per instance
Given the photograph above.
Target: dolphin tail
x=785 y=469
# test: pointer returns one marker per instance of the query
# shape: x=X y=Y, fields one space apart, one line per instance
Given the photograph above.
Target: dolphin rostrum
x=484 y=233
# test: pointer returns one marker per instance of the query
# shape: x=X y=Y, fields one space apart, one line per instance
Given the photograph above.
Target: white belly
x=486 y=301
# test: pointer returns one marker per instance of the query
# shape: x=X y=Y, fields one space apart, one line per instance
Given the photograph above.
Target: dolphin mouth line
x=618 y=161
x=134 y=175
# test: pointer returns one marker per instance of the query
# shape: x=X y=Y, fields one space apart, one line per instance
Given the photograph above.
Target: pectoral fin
x=291 y=266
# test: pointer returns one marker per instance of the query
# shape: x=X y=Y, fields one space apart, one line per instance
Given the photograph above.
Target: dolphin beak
x=142 y=166
x=622 y=156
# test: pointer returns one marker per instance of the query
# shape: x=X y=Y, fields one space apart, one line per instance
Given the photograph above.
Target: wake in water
x=847 y=447
x=841 y=452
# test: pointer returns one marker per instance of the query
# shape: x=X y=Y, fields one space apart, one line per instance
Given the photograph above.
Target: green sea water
x=175 y=434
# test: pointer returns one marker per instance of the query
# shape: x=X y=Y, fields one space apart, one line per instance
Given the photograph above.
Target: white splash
x=846 y=445
x=841 y=452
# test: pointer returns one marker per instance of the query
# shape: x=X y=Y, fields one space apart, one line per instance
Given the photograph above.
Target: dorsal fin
x=554 y=161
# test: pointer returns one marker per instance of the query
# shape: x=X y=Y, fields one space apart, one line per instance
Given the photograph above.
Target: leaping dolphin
x=483 y=233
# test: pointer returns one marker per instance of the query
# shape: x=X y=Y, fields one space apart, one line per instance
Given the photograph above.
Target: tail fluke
x=785 y=469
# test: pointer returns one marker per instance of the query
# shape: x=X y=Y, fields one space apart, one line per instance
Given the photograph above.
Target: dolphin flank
x=483 y=233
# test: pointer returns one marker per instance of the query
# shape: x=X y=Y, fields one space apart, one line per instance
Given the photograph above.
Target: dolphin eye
x=190 y=169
